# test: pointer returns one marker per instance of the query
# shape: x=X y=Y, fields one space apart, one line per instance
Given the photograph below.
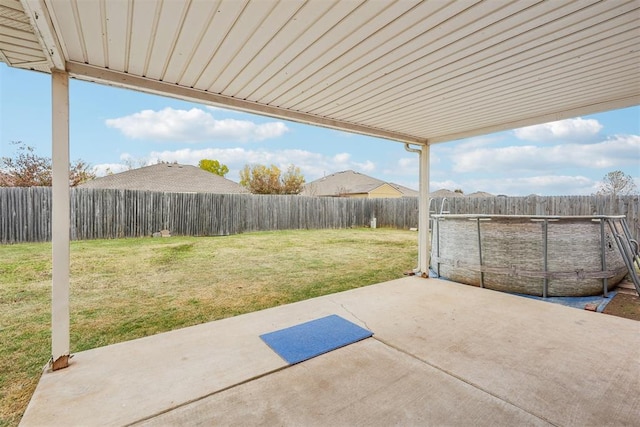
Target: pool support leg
x=603 y=260
x=545 y=233
x=480 y=253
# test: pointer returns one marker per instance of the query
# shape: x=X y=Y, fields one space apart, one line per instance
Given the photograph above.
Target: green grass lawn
x=129 y=288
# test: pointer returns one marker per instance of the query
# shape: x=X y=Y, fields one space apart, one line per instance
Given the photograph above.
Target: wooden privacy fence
x=25 y=213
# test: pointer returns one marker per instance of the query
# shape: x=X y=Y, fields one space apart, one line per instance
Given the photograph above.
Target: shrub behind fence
x=25 y=213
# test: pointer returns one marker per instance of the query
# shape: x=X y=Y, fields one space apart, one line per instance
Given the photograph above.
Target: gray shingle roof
x=349 y=182
x=345 y=182
x=480 y=194
x=406 y=191
x=168 y=178
x=445 y=193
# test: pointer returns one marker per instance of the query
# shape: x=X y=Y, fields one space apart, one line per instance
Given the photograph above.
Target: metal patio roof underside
x=405 y=70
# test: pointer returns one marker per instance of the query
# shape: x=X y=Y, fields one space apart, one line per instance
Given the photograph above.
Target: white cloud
x=547 y=185
x=193 y=125
x=405 y=166
x=614 y=152
x=479 y=141
x=577 y=129
x=409 y=163
x=107 y=168
x=447 y=184
x=544 y=185
x=341 y=157
x=367 y=166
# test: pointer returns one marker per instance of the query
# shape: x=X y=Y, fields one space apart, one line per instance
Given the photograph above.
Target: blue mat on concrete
x=306 y=340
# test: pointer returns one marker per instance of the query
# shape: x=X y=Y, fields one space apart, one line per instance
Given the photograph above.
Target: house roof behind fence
x=480 y=194
x=443 y=192
x=406 y=191
x=168 y=178
x=350 y=182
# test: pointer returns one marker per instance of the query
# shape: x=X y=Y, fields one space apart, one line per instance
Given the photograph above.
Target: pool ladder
x=432 y=209
x=628 y=247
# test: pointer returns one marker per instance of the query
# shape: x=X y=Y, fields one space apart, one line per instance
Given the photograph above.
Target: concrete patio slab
x=442 y=353
x=367 y=383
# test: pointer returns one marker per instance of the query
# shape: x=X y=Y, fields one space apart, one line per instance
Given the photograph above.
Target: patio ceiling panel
x=309 y=35
x=248 y=28
x=275 y=47
x=19 y=45
x=69 y=34
x=199 y=15
x=537 y=96
x=407 y=70
x=550 y=82
x=450 y=68
x=168 y=26
x=213 y=34
x=117 y=35
x=142 y=22
x=341 y=38
x=91 y=25
x=527 y=78
x=434 y=36
x=564 y=108
x=235 y=73
x=488 y=68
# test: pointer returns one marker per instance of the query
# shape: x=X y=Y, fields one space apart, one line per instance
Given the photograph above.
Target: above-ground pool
x=534 y=255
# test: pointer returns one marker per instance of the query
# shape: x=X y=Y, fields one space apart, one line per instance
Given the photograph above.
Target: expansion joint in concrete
x=206 y=396
x=459 y=378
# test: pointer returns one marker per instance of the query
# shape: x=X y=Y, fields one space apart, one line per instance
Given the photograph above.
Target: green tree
x=616 y=183
x=213 y=166
x=28 y=169
x=260 y=179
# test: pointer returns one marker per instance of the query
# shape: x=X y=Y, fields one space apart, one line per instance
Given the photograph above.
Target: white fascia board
x=40 y=20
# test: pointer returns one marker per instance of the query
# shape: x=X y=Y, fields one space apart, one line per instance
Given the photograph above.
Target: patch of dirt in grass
x=624 y=305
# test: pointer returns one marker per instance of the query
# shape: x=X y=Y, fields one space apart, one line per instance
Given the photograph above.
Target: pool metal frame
x=619 y=231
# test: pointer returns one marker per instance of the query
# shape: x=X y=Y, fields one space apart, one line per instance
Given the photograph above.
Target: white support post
x=424 y=240
x=60 y=222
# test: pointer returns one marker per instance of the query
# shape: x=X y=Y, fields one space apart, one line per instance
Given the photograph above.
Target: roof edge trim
x=41 y=22
x=120 y=79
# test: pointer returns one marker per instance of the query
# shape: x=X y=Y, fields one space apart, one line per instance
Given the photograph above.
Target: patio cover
x=407 y=70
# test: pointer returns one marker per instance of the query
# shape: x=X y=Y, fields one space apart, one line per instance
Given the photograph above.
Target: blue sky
x=113 y=127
